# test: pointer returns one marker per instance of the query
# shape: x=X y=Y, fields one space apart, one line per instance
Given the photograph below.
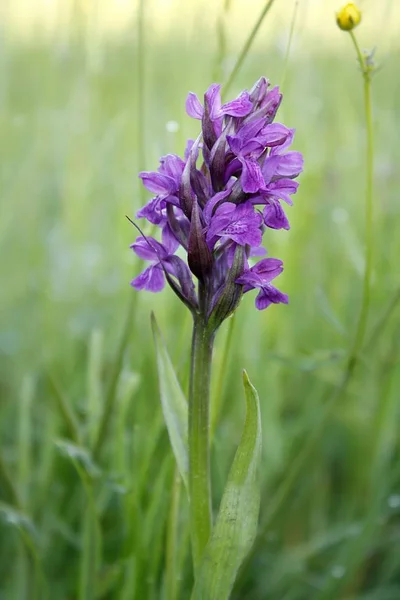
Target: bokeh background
x=92 y=92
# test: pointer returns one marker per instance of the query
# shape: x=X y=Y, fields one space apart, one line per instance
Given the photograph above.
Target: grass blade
x=236 y=524
x=174 y=404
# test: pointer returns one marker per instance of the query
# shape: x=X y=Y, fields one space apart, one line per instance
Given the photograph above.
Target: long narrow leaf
x=236 y=525
x=174 y=404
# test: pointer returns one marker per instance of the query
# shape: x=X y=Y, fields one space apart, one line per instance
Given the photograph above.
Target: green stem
x=285 y=489
x=141 y=147
x=172 y=539
x=199 y=433
x=381 y=323
x=111 y=392
x=247 y=45
x=141 y=153
x=7 y=488
x=366 y=300
x=289 y=45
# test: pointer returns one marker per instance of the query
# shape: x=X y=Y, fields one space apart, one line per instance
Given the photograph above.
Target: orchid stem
x=199 y=439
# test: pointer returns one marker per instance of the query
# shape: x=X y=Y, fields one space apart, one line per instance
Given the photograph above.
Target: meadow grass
x=91 y=505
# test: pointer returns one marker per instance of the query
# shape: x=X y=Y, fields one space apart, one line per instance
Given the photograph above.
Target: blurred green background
x=91 y=92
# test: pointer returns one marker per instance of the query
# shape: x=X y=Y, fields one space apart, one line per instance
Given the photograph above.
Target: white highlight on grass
x=340 y=215
x=394 y=501
x=172 y=126
x=338 y=571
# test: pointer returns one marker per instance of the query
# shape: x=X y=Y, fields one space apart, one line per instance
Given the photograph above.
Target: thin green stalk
x=112 y=388
x=199 y=444
x=366 y=299
x=141 y=153
x=247 y=45
x=91 y=540
x=363 y=317
x=172 y=535
x=141 y=147
x=7 y=488
x=285 y=489
x=380 y=324
x=289 y=45
x=383 y=419
x=94 y=384
x=221 y=40
x=66 y=411
x=23 y=579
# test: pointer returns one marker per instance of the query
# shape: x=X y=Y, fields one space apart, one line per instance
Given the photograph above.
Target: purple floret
x=260 y=277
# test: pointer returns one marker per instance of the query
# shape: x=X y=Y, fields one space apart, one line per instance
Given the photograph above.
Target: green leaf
x=236 y=526
x=174 y=404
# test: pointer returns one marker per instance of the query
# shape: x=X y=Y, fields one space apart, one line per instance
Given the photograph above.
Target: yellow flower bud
x=349 y=17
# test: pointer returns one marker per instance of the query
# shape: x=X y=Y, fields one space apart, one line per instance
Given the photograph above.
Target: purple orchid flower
x=152 y=278
x=249 y=144
x=241 y=224
x=165 y=184
x=212 y=115
x=216 y=211
x=260 y=277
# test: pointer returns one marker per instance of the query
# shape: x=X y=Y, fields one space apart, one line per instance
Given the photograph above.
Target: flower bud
x=229 y=296
x=199 y=256
x=348 y=17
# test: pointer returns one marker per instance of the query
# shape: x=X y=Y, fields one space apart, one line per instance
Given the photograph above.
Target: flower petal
x=274 y=216
x=270 y=295
x=239 y=223
x=212 y=99
x=169 y=240
x=153 y=211
x=151 y=279
x=157 y=183
x=240 y=107
x=193 y=107
x=252 y=179
x=282 y=165
x=213 y=202
x=172 y=166
x=275 y=134
x=147 y=248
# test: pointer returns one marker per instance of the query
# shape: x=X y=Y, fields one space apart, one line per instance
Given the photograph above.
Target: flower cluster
x=218 y=211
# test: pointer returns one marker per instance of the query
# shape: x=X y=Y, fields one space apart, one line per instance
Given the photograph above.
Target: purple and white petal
x=285 y=145
x=282 y=165
x=274 y=216
x=261 y=274
x=193 y=107
x=281 y=189
x=153 y=211
x=240 y=107
x=169 y=241
x=172 y=166
x=259 y=89
x=212 y=99
x=213 y=202
x=147 y=248
x=270 y=295
x=241 y=224
x=157 y=183
x=252 y=177
x=151 y=279
x=275 y=134
x=189 y=146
